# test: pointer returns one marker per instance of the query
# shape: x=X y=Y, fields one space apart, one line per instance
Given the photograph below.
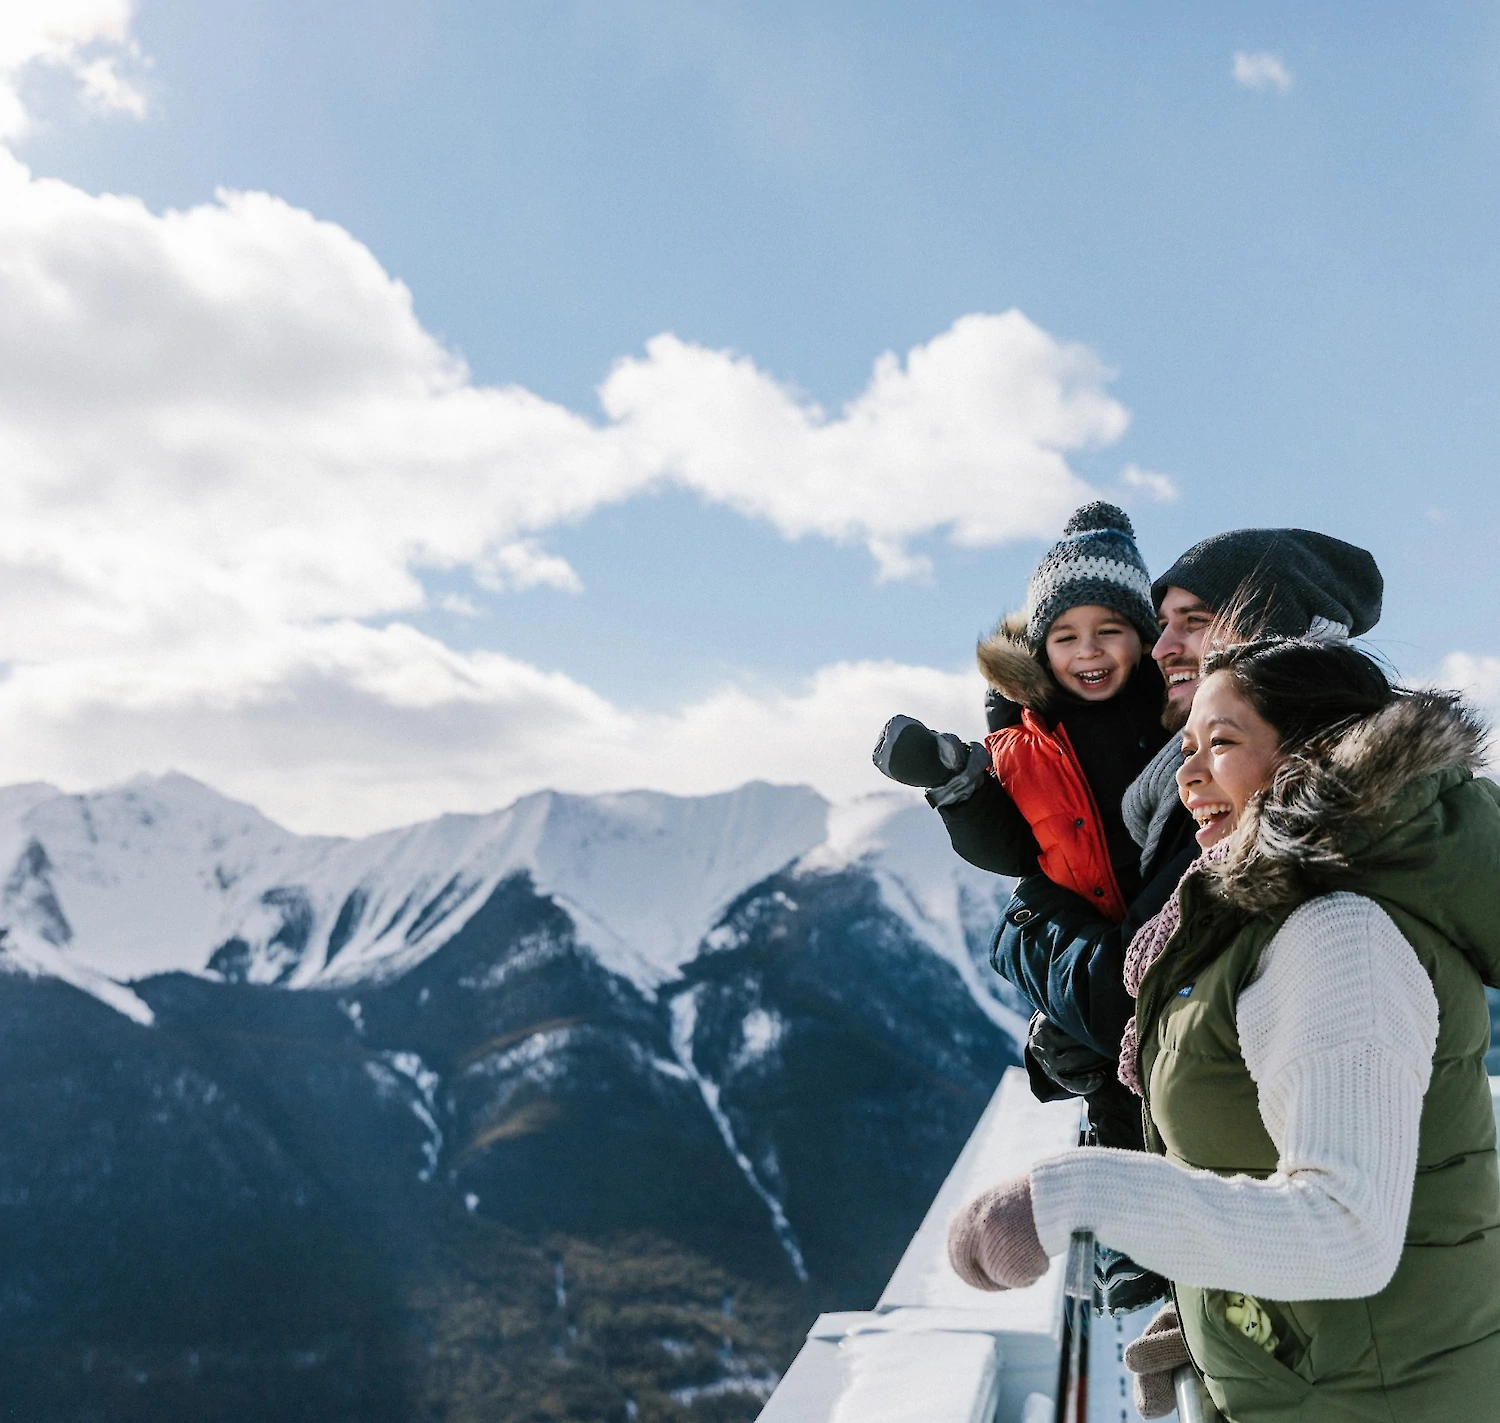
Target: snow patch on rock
x=24 y=953
x=684 y=1010
x=947 y=903
x=760 y=1034
x=424 y=1084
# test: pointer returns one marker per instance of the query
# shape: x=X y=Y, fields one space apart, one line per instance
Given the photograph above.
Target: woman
x=1311 y=1046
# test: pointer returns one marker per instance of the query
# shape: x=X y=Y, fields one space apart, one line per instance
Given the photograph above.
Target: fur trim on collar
x=1325 y=809
x=1010 y=668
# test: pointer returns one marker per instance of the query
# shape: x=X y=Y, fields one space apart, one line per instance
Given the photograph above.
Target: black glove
x=971 y=763
x=1067 y=1062
x=1121 y=1286
x=908 y=752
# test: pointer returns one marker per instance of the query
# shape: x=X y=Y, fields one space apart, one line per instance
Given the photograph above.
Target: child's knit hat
x=1095 y=561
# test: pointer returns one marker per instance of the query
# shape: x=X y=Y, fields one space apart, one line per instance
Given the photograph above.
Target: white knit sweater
x=1338 y=1029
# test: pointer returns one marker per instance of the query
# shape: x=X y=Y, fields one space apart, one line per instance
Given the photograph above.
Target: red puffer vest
x=1039 y=770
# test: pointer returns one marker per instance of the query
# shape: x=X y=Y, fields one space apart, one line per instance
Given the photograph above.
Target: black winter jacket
x=1068 y=961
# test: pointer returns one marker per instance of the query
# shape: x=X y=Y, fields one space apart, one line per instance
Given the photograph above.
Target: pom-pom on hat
x=1095 y=561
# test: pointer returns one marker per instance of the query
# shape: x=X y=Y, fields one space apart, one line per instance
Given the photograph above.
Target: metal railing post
x=1078 y=1304
x=1193 y=1403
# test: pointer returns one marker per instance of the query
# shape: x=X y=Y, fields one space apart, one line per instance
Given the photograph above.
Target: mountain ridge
x=581 y=1109
x=166 y=874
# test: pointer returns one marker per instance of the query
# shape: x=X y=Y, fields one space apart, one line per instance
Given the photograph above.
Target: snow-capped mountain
x=165 y=874
x=582 y=1108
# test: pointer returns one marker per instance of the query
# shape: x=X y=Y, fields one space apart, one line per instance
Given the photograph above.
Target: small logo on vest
x=1185 y=992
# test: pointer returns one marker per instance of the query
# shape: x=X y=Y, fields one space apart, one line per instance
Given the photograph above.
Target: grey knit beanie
x=1291 y=581
x=1095 y=561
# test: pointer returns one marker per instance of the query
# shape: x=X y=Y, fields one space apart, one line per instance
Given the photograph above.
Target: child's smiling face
x=1092 y=651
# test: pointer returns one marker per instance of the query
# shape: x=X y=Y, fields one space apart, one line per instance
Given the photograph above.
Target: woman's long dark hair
x=1311 y=691
x=1308 y=689
x=1351 y=741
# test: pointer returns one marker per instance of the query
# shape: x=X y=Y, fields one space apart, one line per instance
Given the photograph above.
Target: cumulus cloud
x=522 y=565
x=1476 y=675
x=86 y=39
x=1478 y=678
x=232 y=412
x=346 y=728
x=229 y=447
x=1261 y=70
x=969 y=433
x=1157 y=487
x=229 y=418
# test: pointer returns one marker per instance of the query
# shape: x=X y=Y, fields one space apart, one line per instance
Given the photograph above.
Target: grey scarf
x=1150 y=797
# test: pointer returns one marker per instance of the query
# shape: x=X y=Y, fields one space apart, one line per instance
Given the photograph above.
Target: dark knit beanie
x=1095 y=561
x=1287 y=581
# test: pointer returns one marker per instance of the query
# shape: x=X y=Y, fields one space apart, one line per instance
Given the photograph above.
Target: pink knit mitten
x=1153 y=1358
x=992 y=1241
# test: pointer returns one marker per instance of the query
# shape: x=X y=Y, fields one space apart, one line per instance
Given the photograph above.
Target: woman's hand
x=1153 y=1359
x=992 y=1241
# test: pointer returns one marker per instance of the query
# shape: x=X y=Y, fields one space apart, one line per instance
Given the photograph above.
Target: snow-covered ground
x=157 y=874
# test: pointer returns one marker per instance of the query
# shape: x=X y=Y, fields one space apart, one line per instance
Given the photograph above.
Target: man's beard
x=1174 y=714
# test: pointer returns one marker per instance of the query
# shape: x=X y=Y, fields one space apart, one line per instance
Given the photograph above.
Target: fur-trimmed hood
x=1009 y=667
x=1357 y=811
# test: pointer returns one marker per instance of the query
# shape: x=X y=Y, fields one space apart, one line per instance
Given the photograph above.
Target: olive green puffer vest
x=1427 y=1347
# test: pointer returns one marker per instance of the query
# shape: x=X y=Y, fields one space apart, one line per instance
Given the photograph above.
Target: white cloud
x=1261 y=70
x=88 y=39
x=1157 y=487
x=969 y=433
x=346 y=728
x=1478 y=678
x=106 y=89
x=232 y=413
x=228 y=444
x=523 y=565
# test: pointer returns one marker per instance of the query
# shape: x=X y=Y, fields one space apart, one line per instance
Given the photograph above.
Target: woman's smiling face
x=1232 y=752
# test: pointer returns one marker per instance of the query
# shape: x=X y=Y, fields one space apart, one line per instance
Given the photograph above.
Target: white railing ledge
x=810 y=1388
x=937 y=1366
x=933 y=1349
x=1015 y=1132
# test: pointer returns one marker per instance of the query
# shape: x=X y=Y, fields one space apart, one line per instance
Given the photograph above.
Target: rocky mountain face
x=580 y=1110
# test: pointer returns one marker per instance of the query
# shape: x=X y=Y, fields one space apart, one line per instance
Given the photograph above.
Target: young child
x=1074 y=712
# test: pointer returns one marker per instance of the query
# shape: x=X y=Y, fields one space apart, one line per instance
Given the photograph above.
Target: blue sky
x=1293 y=287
